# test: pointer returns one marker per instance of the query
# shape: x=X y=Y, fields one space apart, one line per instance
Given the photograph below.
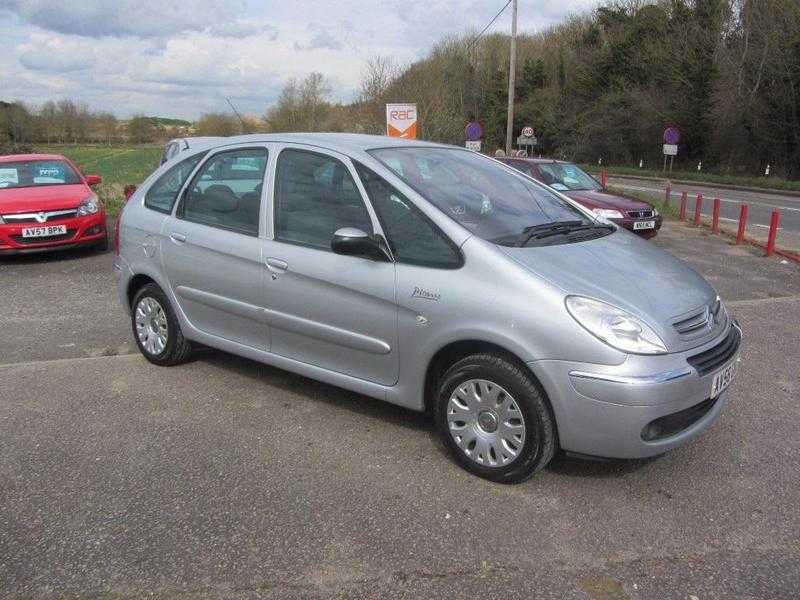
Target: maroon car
x=572 y=181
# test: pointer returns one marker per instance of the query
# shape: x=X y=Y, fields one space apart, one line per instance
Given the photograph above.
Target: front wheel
x=156 y=329
x=494 y=419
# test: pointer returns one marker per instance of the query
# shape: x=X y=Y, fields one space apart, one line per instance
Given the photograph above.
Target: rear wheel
x=156 y=329
x=494 y=419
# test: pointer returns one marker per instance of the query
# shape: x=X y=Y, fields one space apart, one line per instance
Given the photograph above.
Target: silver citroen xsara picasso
x=431 y=277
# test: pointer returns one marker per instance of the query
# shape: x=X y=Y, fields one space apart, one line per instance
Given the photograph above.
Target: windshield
x=30 y=173
x=482 y=195
x=565 y=177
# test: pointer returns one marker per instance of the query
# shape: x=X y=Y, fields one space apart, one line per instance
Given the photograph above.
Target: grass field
x=117 y=165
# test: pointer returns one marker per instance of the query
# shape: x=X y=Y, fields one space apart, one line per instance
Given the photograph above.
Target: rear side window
x=413 y=238
x=314 y=196
x=162 y=194
x=226 y=192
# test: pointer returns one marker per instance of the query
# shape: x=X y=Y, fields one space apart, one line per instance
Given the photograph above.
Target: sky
x=182 y=59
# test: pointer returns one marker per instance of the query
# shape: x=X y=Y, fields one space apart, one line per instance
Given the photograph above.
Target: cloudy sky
x=181 y=59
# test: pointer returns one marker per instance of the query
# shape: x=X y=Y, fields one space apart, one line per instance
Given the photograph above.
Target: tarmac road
x=761 y=205
x=225 y=478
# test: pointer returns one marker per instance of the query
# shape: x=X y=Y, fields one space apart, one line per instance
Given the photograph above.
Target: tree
x=141 y=129
x=302 y=106
x=218 y=124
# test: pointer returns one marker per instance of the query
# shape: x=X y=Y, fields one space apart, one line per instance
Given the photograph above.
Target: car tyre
x=156 y=329
x=508 y=454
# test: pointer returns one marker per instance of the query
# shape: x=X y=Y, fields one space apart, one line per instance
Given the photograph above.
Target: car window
x=480 y=194
x=31 y=173
x=564 y=177
x=412 y=238
x=314 y=196
x=226 y=191
x=162 y=194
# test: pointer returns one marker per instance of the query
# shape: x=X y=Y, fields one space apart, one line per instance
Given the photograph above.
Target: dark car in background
x=572 y=181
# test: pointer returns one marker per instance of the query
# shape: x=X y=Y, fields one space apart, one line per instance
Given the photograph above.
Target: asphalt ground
x=224 y=478
x=760 y=207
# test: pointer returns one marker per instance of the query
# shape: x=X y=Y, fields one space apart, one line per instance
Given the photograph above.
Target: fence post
x=742 y=223
x=603 y=178
x=698 y=205
x=667 y=195
x=715 y=216
x=773 y=231
x=684 y=202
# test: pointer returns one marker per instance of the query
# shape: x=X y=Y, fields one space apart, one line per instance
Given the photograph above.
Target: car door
x=333 y=311
x=211 y=247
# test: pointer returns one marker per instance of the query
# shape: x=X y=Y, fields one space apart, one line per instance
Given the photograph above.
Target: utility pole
x=512 y=71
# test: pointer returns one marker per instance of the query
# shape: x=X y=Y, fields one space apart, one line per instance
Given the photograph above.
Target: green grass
x=773 y=183
x=118 y=166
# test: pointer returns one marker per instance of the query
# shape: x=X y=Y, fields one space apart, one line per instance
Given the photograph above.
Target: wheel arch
x=454 y=351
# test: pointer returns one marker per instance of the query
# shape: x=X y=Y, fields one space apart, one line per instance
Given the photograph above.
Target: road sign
x=473 y=131
x=527 y=131
x=401 y=121
x=474 y=145
x=670 y=149
x=671 y=136
x=526 y=141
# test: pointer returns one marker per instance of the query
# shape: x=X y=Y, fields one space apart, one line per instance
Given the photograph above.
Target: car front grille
x=701 y=319
x=41 y=217
x=640 y=214
x=48 y=238
x=706 y=362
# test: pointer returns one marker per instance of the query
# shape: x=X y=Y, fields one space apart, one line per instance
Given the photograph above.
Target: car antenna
x=236 y=112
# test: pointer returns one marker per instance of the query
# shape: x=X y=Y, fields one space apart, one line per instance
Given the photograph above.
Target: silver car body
x=377 y=327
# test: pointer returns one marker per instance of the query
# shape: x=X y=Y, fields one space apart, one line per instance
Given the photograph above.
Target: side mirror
x=93 y=179
x=354 y=242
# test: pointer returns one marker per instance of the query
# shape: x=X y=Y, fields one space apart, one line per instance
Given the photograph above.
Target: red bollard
x=698 y=205
x=667 y=195
x=742 y=223
x=603 y=178
x=715 y=216
x=684 y=201
x=773 y=231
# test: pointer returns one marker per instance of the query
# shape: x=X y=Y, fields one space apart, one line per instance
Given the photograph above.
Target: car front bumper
x=81 y=231
x=628 y=223
x=605 y=411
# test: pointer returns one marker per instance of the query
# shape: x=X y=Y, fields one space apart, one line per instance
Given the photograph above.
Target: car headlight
x=655 y=212
x=608 y=213
x=89 y=206
x=616 y=327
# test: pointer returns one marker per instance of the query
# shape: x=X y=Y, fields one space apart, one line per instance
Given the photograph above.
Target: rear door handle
x=277 y=265
x=177 y=237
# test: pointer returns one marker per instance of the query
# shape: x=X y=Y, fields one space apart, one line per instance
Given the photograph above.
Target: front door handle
x=277 y=265
x=177 y=237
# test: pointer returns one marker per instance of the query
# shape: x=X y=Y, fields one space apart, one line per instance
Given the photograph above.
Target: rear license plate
x=722 y=380
x=46 y=231
x=644 y=225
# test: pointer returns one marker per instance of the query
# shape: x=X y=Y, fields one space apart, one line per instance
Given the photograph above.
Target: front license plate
x=46 y=231
x=722 y=380
x=644 y=224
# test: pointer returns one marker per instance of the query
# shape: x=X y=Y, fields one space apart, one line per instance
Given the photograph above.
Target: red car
x=47 y=203
x=572 y=181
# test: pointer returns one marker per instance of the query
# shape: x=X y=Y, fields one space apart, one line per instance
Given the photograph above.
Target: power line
x=489 y=24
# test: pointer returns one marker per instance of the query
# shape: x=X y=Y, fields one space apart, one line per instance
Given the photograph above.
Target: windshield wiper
x=545 y=230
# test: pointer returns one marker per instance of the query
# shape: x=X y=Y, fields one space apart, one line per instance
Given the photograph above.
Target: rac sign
x=401 y=121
